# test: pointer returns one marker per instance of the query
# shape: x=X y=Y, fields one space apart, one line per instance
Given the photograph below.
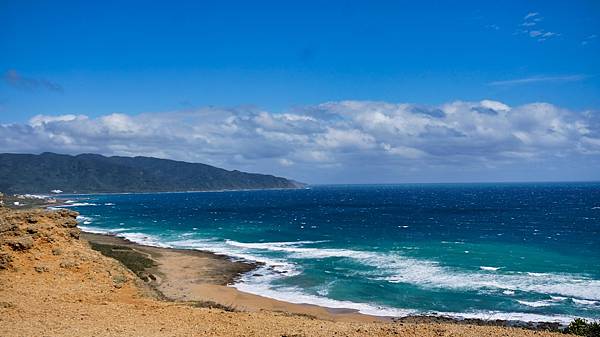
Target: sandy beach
x=191 y=275
x=53 y=284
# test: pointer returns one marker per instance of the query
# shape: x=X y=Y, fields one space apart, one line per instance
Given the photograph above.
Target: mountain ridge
x=95 y=173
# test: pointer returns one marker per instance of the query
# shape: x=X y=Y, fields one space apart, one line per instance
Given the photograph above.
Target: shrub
x=581 y=327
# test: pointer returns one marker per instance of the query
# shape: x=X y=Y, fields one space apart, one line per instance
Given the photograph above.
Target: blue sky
x=160 y=61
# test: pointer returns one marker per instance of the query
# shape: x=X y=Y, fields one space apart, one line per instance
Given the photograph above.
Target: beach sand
x=191 y=275
x=53 y=284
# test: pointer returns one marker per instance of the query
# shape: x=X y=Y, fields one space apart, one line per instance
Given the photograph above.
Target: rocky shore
x=52 y=283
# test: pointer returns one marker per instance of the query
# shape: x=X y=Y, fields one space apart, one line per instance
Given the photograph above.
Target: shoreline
x=186 y=275
x=215 y=274
x=191 y=191
x=55 y=282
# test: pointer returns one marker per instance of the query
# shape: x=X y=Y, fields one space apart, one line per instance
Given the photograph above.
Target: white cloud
x=41 y=119
x=346 y=135
x=537 y=79
x=588 y=39
x=532 y=20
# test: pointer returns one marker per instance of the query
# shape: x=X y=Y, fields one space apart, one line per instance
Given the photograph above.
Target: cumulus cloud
x=13 y=78
x=345 y=135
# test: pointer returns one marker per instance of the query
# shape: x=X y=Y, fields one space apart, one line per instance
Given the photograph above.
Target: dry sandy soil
x=53 y=284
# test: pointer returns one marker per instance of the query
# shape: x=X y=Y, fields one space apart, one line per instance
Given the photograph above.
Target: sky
x=317 y=91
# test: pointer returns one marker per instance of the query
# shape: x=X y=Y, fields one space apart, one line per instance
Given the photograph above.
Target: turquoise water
x=509 y=251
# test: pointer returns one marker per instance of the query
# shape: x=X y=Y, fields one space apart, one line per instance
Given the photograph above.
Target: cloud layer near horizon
x=335 y=136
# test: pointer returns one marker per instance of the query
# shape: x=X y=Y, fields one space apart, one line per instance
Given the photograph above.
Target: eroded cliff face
x=22 y=234
x=44 y=247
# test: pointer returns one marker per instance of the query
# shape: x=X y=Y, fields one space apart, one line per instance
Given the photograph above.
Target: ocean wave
x=584 y=302
x=443 y=277
x=93 y=230
x=508 y=316
x=396 y=268
x=84 y=219
x=306 y=252
x=144 y=239
x=489 y=268
x=393 y=267
x=77 y=204
x=296 y=295
x=535 y=304
x=270 y=245
x=120 y=229
x=279 y=266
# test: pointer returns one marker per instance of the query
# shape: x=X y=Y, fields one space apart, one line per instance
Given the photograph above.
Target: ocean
x=526 y=252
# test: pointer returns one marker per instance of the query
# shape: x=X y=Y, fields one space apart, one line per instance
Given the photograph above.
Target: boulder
x=6 y=227
x=74 y=233
x=21 y=243
x=69 y=218
x=5 y=261
x=42 y=269
x=68 y=264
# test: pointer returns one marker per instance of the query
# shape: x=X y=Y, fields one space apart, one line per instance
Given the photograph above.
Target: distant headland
x=92 y=173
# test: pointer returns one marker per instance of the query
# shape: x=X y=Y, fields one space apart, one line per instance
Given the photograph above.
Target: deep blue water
x=512 y=251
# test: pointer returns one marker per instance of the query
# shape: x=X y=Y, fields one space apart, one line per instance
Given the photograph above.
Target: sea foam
x=396 y=268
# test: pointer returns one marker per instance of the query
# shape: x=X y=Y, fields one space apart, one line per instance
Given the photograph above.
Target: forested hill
x=92 y=173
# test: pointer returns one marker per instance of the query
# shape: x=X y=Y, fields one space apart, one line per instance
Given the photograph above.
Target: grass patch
x=134 y=260
x=212 y=305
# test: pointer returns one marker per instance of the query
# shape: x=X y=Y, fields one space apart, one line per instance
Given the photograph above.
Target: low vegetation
x=132 y=259
x=581 y=327
x=213 y=305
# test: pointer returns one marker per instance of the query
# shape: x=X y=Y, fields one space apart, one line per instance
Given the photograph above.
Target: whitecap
x=489 y=268
x=81 y=218
x=584 y=302
x=535 y=304
x=93 y=230
x=508 y=316
x=296 y=295
x=396 y=268
x=78 y=204
x=280 y=266
x=143 y=239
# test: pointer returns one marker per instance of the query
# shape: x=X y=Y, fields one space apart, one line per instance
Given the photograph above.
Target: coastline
x=66 y=195
x=196 y=275
x=193 y=275
x=54 y=283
